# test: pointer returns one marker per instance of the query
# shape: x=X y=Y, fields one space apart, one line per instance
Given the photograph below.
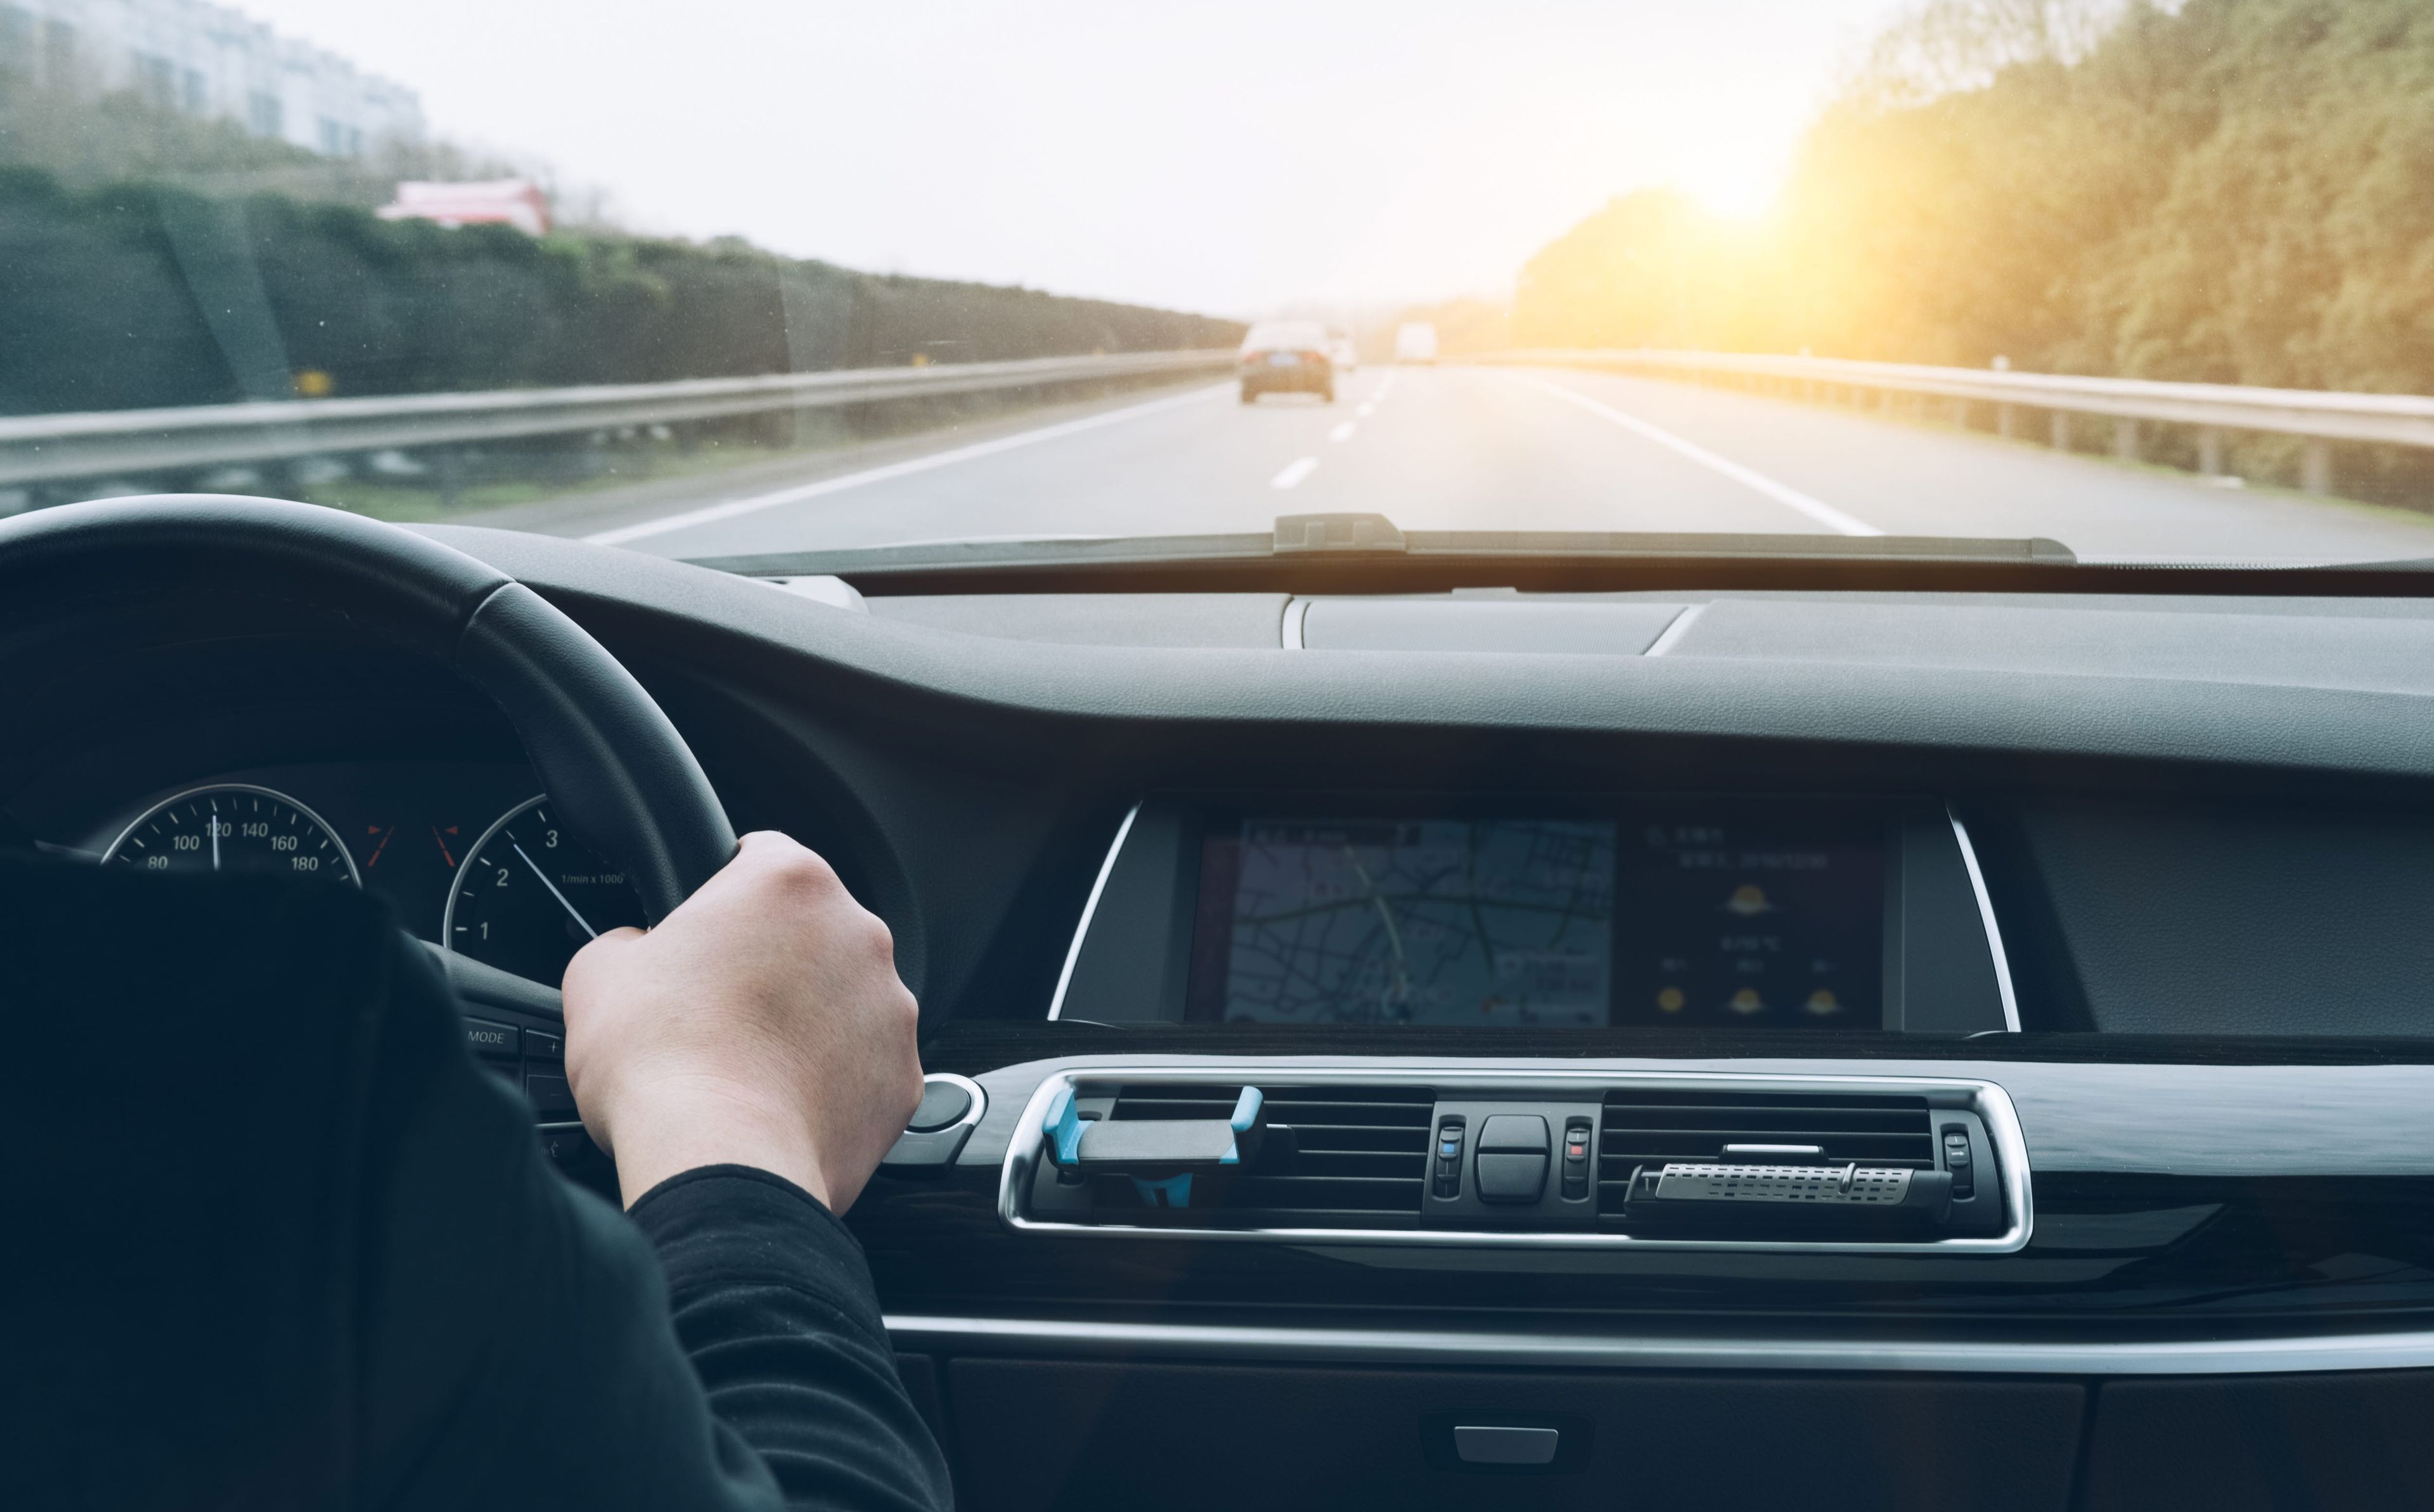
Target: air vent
x=1248 y=1152
x=1332 y=1157
x=1652 y=1127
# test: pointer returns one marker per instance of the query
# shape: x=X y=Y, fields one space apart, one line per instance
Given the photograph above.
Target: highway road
x=1475 y=447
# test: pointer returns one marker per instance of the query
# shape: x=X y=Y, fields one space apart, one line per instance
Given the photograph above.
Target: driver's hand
x=761 y=1024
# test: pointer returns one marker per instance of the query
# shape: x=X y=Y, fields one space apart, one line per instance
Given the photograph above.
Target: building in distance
x=212 y=63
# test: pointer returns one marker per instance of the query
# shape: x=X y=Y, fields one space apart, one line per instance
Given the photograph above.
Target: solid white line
x=1674 y=632
x=1343 y=431
x=1824 y=514
x=1293 y=473
x=895 y=470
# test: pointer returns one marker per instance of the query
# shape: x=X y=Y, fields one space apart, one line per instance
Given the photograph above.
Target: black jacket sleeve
x=521 y=1343
x=774 y=1305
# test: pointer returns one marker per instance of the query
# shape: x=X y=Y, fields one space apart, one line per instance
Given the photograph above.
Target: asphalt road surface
x=1455 y=447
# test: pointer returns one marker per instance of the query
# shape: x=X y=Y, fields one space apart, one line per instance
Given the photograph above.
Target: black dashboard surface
x=2202 y=823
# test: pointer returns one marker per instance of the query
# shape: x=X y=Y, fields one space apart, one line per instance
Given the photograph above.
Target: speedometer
x=232 y=827
x=528 y=897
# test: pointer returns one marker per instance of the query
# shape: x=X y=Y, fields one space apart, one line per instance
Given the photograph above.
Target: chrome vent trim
x=1985 y=1098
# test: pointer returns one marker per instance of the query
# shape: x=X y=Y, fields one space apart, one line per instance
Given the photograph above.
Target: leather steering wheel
x=617 y=771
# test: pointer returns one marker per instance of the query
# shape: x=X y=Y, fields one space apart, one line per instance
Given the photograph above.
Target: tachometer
x=528 y=897
x=232 y=827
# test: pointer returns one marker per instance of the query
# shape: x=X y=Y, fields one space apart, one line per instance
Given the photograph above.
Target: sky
x=1236 y=158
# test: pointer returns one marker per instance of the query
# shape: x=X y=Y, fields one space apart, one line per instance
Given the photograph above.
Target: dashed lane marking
x=1295 y=472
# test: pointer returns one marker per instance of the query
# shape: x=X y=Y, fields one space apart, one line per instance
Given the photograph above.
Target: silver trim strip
x=1573 y=1350
x=1673 y=631
x=1991 y=1105
x=1073 y=951
x=1289 y=634
x=1986 y=917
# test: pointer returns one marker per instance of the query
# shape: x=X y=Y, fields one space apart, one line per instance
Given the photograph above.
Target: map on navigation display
x=1410 y=921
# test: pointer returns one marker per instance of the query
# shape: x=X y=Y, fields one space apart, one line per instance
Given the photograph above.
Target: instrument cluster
x=468 y=853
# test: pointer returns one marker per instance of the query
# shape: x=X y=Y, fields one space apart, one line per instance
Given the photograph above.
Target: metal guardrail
x=2315 y=415
x=100 y=444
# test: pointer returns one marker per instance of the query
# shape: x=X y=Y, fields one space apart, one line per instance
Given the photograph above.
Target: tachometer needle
x=588 y=932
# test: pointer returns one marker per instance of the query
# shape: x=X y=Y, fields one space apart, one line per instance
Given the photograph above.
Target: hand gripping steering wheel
x=617 y=771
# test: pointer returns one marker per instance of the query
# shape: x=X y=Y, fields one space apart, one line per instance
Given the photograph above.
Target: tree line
x=2231 y=191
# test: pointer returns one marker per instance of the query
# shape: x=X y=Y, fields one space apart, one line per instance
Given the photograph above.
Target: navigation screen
x=1557 y=923
x=1410 y=921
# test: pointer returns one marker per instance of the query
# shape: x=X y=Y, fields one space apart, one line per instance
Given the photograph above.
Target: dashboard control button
x=1513 y=1132
x=562 y=1145
x=543 y=1046
x=1958 y=1160
x=1577 y=1135
x=1507 y=1446
x=550 y=1096
x=494 y=1040
x=942 y=1103
x=1512 y=1158
x=1445 y=1170
x=1511 y=1177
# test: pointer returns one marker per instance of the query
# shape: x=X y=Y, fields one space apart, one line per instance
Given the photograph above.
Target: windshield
x=740 y=279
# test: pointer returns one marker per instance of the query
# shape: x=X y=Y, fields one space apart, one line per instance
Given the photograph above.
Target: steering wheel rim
x=621 y=776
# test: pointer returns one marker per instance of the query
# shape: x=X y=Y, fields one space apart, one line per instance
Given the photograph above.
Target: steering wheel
x=618 y=773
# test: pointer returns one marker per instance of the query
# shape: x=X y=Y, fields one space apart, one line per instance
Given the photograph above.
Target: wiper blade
x=1369 y=536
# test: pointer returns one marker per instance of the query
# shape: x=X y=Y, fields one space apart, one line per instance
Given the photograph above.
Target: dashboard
x=1930 y=1004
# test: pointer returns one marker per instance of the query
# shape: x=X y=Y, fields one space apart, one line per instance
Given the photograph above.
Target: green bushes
x=137 y=295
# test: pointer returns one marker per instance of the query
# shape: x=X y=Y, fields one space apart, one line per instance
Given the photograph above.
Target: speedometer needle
x=588 y=932
x=212 y=823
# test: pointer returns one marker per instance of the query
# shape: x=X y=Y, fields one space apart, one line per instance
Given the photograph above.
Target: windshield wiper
x=1375 y=540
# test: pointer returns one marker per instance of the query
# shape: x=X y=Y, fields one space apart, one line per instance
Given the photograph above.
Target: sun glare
x=1737 y=201
x=1732 y=166
x=1730 y=188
